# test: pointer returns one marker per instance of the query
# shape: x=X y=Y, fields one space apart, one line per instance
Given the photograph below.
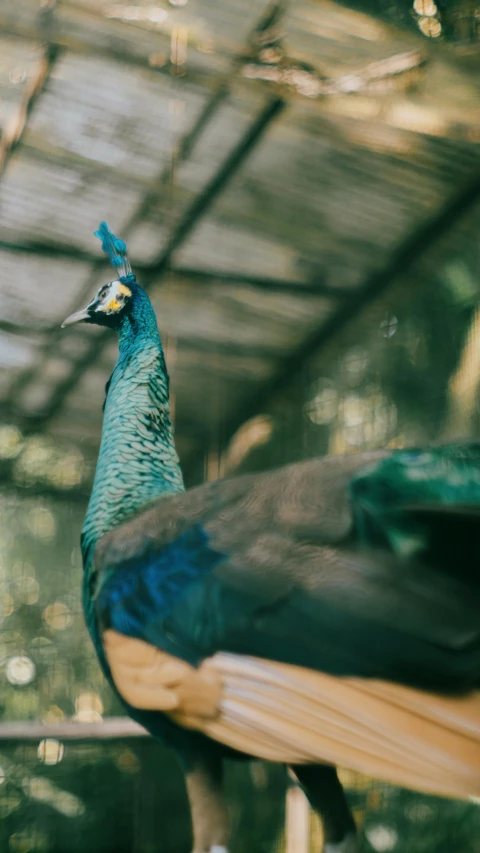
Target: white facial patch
x=112 y=297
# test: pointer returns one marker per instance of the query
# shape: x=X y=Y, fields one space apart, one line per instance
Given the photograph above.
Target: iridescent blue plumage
x=138 y=600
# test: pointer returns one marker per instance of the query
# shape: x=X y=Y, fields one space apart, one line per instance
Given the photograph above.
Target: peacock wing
x=251 y=573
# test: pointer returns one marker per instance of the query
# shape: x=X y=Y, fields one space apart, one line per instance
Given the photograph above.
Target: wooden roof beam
x=52 y=252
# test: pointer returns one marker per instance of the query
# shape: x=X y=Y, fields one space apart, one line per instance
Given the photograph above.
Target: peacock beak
x=77 y=317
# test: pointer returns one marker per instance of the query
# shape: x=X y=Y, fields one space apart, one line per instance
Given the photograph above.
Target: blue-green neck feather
x=137 y=461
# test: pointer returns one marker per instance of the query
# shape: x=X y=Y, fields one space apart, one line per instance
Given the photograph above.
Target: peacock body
x=323 y=613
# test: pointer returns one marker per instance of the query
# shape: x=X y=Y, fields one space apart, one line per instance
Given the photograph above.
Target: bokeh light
x=430 y=27
x=41 y=523
x=27 y=590
x=388 y=326
x=128 y=762
x=53 y=714
x=40 y=460
x=323 y=405
x=50 y=751
x=10 y=441
x=88 y=707
x=382 y=838
x=58 y=616
x=425 y=8
x=20 y=670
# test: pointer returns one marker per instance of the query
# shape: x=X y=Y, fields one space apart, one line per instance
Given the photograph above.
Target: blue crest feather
x=116 y=250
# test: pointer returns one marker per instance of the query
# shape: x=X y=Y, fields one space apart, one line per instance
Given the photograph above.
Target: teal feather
x=419 y=501
x=116 y=250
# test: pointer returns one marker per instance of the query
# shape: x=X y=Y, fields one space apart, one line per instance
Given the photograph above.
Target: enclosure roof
x=272 y=168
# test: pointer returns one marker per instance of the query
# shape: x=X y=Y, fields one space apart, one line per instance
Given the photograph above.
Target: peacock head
x=114 y=298
x=106 y=308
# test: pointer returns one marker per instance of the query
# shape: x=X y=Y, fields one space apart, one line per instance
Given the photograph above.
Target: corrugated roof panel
x=58 y=203
x=148 y=238
x=343 y=207
x=231 y=121
x=222 y=315
x=218 y=138
x=38 y=292
x=224 y=247
x=125 y=118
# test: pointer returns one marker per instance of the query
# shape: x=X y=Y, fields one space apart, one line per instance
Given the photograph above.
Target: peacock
x=321 y=614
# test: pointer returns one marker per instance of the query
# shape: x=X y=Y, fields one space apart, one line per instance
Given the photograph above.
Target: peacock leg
x=207 y=804
x=326 y=795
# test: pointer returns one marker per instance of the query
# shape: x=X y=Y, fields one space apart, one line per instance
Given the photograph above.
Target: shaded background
x=299 y=187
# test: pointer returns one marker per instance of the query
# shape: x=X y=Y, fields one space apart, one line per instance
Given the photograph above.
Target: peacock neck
x=137 y=462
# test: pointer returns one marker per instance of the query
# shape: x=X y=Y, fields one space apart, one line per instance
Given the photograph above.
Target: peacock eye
x=103 y=292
